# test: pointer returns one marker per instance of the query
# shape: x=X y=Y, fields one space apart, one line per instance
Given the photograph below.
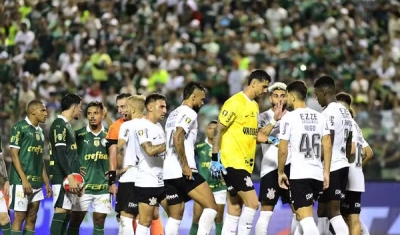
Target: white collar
x=206 y=140
x=96 y=134
x=30 y=123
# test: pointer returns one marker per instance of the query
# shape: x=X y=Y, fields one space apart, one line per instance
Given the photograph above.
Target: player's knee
x=19 y=216
x=30 y=222
x=99 y=218
x=334 y=209
x=4 y=218
x=265 y=207
x=156 y=214
x=145 y=220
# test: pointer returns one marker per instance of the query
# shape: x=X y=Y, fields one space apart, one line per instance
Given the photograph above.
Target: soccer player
x=4 y=217
x=28 y=173
x=269 y=188
x=302 y=132
x=361 y=153
x=151 y=151
x=64 y=161
x=236 y=136
x=181 y=178
x=340 y=126
x=203 y=151
x=93 y=158
x=127 y=158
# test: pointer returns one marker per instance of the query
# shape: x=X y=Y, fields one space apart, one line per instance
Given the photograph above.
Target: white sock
x=294 y=224
x=125 y=226
x=298 y=230
x=172 y=226
x=323 y=225
x=246 y=221
x=262 y=222
x=309 y=227
x=230 y=225
x=206 y=221
x=364 y=229
x=142 y=230
x=339 y=225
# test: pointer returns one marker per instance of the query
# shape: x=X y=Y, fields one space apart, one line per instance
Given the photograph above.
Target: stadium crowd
x=99 y=49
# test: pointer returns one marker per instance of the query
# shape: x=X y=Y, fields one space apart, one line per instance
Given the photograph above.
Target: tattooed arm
x=179 y=145
x=120 y=152
x=218 y=137
x=153 y=150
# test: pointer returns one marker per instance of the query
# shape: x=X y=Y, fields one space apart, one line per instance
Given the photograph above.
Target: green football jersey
x=30 y=142
x=62 y=134
x=203 y=153
x=93 y=158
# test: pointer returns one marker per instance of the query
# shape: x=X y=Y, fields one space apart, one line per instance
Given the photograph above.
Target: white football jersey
x=270 y=152
x=356 y=176
x=150 y=168
x=186 y=118
x=304 y=128
x=130 y=158
x=340 y=121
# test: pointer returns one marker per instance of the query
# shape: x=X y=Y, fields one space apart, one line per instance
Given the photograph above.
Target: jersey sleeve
x=15 y=141
x=143 y=135
x=325 y=129
x=330 y=118
x=365 y=143
x=186 y=119
x=113 y=134
x=263 y=120
x=285 y=127
x=228 y=113
x=123 y=132
x=59 y=131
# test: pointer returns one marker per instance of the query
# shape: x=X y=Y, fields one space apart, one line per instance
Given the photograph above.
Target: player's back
x=304 y=129
x=340 y=121
x=356 y=175
x=127 y=133
x=238 y=145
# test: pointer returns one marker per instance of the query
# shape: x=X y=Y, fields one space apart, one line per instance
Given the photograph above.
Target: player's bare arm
x=153 y=150
x=112 y=154
x=261 y=137
x=218 y=137
x=18 y=167
x=327 y=150
x=367 y=155
x=278 y=114
x=120 y=152
x=4 y=175
x=179 y=145
x=282 y=157
x=46 y=182
x=106 y=117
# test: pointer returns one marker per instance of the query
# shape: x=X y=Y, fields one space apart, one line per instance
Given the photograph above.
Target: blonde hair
x=137 y=101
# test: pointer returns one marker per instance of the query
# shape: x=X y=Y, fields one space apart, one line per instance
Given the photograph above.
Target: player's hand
x=105 y=112
x=6 y=188
x=216 y=168
x=113 y=190
x=187 y=172
x=326 y=180
x=278 y=111
x=49 y=192
x=82 y=170
x=273 y=140
x=27 y=187
x=73 y=185
x=283 y=181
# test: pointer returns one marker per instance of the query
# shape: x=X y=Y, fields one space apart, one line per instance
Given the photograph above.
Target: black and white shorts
x=351 y=204
x=337 y=186
x=177 y=190
x=305 y=192
x=237 y=180
x=270 y=190
x=127 y=199
x=150 y=196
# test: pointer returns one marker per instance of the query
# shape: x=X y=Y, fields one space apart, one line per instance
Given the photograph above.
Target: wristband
x=272 y=122
x=214 y=157
x=111 y=177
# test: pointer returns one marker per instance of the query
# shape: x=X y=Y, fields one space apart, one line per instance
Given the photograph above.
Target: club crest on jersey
x=224 y=113
x=60 y=136
x=188 y=120
x=141 y=133
x=96 y=143
x=37 y=136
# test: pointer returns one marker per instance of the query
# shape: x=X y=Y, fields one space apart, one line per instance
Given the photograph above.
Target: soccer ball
x=78 y=178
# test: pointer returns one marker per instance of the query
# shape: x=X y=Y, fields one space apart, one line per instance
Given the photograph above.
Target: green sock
x=65 y=225
x=57 y=224
x=6 y=229
x=194 y=228
x=98 y=229
x=72 y=231
x=12 y=232
x=218 y=228
x=28 y=232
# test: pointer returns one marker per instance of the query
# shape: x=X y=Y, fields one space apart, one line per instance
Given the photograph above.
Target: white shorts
x=19 y=201
x=61 y=199
x=3 y=204
x=100 y=203
x=220 y=197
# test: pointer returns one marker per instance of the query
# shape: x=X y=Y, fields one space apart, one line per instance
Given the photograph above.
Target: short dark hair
x=260 y=75
x=325 y=81
x=33 y=104
x=190 y=88
x=213 y=122
x=95 y=104
x=123 y=96
x=154 y=97
x=344 y=97
x=299 y=88
x=69 y=100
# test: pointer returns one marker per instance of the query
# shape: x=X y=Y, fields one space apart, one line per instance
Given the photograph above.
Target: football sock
x=125 y=226
x=157 y=227
x=98 y=229
x=13 y=232
x=246 y=221
x=206 y=221
x=323 y=223
x=262 y=222
x=135 y=222
x=298 y=230
x=141 y=230
x=309 y=227
x=194 y=228
x=294 y=224
x=230 y=225
x=218 y=228
x=28 y=232
x=339 y=225
x=172 y=226
x=59 y=223
x=6 y=229
x=72 y=231
x=364 y=229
